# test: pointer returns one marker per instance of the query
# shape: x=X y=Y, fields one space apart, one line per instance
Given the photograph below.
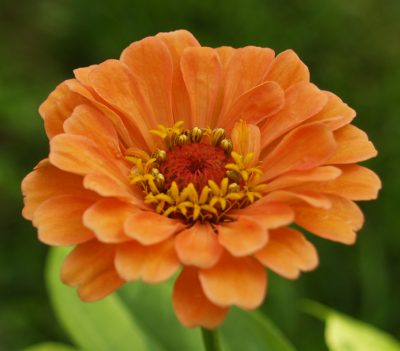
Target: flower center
x=198 y=177
x=195 y=163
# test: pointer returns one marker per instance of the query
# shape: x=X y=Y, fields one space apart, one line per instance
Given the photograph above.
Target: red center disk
x=194 y=163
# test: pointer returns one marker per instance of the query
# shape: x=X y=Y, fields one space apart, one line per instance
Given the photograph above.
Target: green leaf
x=100 y=326
x=344 y=333
x=252 y=331
x=50 y=346
x=241 y=331
x=152 y=305
x=347 y=334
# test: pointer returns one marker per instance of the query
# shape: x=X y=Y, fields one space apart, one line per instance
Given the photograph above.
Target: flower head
x=178 y=157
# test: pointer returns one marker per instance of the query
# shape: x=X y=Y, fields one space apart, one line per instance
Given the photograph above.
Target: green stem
x=211 y=340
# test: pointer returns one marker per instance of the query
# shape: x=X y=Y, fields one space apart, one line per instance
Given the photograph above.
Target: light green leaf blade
x=241 y=331
x=100 y=326
x=347 y=334
x=252 y=331
x=152 y=305
x=344 y=333
x=50 y=346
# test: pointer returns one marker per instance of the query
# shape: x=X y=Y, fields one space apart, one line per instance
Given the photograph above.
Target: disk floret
x=198 y=177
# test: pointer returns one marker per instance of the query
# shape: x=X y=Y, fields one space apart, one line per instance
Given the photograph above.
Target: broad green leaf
x=252 y=331
x=50 y=346
x=347 y=334
x=344 y=333
x=152 y=305
x=101 y=326
x=242 y=330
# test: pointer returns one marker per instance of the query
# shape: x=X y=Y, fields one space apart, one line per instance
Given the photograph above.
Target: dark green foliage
x=351 y=47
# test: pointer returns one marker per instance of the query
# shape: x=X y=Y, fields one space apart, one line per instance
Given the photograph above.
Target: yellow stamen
x=239 y=188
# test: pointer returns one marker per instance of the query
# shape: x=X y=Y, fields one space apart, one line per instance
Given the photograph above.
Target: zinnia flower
x=178 y=157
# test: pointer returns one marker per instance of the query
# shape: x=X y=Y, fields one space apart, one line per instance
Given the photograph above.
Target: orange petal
x=82 y=75
x=304 y=148
x=192 y=307
x=293 y=178
x=255 y=105
x=312 y=198
x=80 y=155
x=106 y=219
x=302 y=101
x=246 y=69
x=268 y=214
x=287 y=70
x=47 y=181
x=91 y=123
x=150 y=62
x=153 y=264
x=177 y=42
x=198 y=246
x=246 y=139
x=151 y=228
x=58 y=107
x=353 y=146
x=335 y=113
x=107 y=186
x=121 y=125
x=240 y=281
x=225 y=54
x=114 y=83
x=287 y=253
x=242 y=237
x=355 y=183
x=201 y=72
x=59 y=220
x=338 y=223
x=100 y=287
x=90 y=267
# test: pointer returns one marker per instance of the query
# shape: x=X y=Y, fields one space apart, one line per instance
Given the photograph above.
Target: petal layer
x=268 y=214
x=58 y=107
x=353 y=146
x=153 y=264
x=192 y=307
x=287 y=70
x=339 y=223
x=201 y=72
x=91 y=123
x=287 y=253
x=335 y=113
x=59 y=220
x=198 y=246
x=240 y=281
x=255 y=105
x=90 y=268
x=243 y=236
x=47 y=181
x=355 y=183
x=246 y=69
x=106 y=219
x=116 y=85
x=150 y=62
x=293 y=178
x=177 y=42
x=304 y=148
x=302 y=101
x=151 y=228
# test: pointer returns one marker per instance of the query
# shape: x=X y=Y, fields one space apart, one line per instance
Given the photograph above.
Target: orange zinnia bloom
x=182 y=156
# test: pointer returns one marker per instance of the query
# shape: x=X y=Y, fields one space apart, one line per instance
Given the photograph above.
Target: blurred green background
x=351 y=47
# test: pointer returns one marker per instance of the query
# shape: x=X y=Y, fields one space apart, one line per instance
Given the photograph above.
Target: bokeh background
x=351 y=47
